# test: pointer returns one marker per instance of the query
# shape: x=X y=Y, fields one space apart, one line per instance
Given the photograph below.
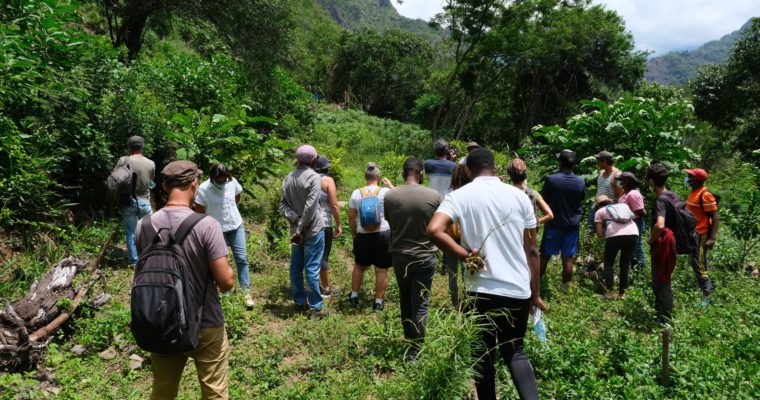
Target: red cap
x=697 y=173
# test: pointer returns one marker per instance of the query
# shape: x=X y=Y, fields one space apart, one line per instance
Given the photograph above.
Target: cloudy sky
x=657 y=25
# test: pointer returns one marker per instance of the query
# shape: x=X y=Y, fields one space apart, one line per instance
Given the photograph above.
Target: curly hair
x=460 y=176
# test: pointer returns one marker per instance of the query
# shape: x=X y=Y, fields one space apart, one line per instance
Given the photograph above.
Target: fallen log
x=40 y=311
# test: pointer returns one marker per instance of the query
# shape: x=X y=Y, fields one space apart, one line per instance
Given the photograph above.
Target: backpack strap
x=701 y=198
x=187 y=225
x=377 y=191
x=363 y=192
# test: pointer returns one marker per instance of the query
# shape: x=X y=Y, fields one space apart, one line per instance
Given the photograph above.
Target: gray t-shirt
x=300 y=199
x=408 y=209
x=145 y=169
x=205 y=242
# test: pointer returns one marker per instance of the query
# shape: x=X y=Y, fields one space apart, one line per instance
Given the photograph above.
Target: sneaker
x=706 y=301
x=249 y=302
x=318 y=314
x=326 y=292
x=410 y=358
x=354 y=301
x=610 y=296
x=378 y=307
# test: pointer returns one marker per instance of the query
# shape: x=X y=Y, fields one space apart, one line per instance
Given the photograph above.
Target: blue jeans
x=236 y=240
x=307 y=256
x=129 y=216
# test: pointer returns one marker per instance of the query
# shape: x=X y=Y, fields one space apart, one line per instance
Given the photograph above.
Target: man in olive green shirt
x=408 y=209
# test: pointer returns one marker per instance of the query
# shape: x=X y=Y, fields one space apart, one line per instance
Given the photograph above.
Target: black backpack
x=121 y=184
x=166 y=308
x=687 y=239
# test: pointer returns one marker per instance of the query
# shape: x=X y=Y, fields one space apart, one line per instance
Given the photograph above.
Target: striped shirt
x=604 y=185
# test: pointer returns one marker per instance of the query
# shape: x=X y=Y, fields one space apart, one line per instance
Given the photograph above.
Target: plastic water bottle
x=539 y=326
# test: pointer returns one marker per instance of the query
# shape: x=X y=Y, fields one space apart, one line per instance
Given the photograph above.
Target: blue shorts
x=556 y=240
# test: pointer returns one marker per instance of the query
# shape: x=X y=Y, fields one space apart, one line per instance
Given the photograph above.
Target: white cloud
x=422 y=9
x=657 y=25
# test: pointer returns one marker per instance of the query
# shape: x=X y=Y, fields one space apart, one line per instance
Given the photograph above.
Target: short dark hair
x=440 y=147
x=658 y=173
x=413 y=165
x=480 y=160
x=517 y=177
x=218 y=170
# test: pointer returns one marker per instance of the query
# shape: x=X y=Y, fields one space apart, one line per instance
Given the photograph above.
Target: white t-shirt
x=220 y=203
x=480 y=207
x=355 y=201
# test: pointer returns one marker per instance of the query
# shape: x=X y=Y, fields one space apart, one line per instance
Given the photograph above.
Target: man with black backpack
x=704 y=205
x=175 y=307
x=672 y=234
x=137 y=171
x=371 y=234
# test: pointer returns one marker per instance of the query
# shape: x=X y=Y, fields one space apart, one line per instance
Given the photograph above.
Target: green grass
x=596 y=349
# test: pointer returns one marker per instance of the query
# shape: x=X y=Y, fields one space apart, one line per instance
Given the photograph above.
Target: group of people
x=467 y=211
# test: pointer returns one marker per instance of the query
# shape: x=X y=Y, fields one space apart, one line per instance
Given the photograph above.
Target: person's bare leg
x=324 y=277
x=567 y=269
x=356 y=278
x=544 y=262
x=381 y=282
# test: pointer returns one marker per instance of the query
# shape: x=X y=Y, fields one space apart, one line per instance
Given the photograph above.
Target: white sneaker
x=249 y=302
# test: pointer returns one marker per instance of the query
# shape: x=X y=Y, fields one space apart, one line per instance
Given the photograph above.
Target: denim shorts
x=565 y=241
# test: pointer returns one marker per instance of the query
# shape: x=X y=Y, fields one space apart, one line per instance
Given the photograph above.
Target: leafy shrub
x=637 y=130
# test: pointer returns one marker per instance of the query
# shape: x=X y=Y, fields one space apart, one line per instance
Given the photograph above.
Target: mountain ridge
x=679 y=67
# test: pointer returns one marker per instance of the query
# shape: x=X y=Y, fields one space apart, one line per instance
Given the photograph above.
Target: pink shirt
x=615 y=228
x=633 y=199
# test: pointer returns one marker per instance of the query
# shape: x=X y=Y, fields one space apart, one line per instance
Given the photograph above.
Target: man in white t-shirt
x=498 y=223
x=371 y=242
x=218 y=197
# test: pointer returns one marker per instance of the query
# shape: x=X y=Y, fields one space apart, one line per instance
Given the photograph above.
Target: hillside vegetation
x=680 y=67
x=246 y=84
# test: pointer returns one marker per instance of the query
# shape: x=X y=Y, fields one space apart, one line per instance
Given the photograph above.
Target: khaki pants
x=210 y=360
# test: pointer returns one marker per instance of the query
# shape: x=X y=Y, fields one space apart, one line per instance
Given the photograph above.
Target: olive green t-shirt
x=145 y=170
x=408 y=209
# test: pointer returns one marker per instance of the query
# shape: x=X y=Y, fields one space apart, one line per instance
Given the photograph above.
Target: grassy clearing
x=596 y=349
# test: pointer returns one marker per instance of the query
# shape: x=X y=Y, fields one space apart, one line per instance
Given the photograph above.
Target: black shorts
x=372 y=249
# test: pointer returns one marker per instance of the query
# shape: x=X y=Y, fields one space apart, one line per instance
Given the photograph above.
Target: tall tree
x=533 y=60
x=256 y=30
x=383 y=73
x=728 y=95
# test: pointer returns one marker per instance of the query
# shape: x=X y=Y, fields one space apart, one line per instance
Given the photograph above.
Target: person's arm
x=436 y=231
x=599 y=230
x=619 y=192
x=657 y=229
x=387 y=182
x=286 y=211
x=531 y=254
x=332 y=197
x=222 y=274
x=546 y=210
x=712 y=232
x=238 y=191
x=352 y=214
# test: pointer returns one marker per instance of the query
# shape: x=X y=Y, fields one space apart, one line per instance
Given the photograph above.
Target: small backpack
x=166 y=308
x=370 y=215
x=685 y=229
x=620 y=213
x=121 y=184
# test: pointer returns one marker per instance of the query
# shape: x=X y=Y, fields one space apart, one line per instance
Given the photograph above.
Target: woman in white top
x=328 y=202
x=218 y=197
